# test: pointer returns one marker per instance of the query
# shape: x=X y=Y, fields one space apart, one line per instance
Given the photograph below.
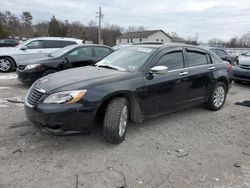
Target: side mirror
x=159 y=70
x=66 y=60
x=24 y=48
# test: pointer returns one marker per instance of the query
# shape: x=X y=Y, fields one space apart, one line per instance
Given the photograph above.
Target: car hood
x=40 y=60
x=244 y=60
x=7 y=50
x=78 y=78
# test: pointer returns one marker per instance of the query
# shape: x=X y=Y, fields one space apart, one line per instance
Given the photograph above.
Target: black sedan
x=69 y=57
x=135 y=83
x=241 y=71
x=224 y=55
x=8 y=42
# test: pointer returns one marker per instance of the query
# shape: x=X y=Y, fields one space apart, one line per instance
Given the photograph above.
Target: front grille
x=21 y=67
x=242 y=76
x=244 y=66
x=34 y=96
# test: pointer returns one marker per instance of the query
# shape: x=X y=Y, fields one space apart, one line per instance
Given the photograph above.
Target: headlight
x=32 y=66
x=69 y=97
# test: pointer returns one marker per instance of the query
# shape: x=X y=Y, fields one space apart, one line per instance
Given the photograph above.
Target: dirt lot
x=191 y=148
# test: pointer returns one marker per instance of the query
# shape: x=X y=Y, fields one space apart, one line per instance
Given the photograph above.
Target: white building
x=143 y=36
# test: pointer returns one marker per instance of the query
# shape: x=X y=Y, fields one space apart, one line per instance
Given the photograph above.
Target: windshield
x=23 y=43
x=127 y=59
x=247 y=54
x=62 y=51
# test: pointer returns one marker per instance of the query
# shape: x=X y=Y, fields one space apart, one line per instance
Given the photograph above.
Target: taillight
x=229 y=67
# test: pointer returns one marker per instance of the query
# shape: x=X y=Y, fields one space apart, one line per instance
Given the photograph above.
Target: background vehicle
x=10 y=58
x=134 y=83
x=241 y=71
x=69 y=57
x=224 y=55
x=8 y=42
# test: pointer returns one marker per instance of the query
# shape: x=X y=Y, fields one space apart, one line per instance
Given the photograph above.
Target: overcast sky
x=210 y=18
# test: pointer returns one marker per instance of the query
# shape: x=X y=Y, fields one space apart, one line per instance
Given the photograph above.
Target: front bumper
x=28 y=76
x=240 y=74
x=61 y=119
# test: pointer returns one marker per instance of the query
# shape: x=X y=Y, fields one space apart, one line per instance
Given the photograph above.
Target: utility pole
x=100 y=17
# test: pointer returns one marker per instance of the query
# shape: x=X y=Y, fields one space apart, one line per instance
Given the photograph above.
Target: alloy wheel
x=4 y=65
x=219 y=96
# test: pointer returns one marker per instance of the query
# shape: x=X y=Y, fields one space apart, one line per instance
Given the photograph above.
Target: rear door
x=200 y=70
x=166 y=92
x=81 y=56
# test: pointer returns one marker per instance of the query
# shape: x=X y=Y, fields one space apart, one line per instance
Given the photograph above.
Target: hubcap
x=123 y=121
x=219 y=96
x=4 y=65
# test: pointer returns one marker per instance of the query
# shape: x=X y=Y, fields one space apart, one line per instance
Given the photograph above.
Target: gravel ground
x=191 y=148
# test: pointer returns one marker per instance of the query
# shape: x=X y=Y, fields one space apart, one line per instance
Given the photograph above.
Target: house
x=143 y=36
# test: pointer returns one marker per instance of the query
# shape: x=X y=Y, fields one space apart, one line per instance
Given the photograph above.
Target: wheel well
x=134 y=106
x=223 y=80
x=11 y=59
x=49 y=69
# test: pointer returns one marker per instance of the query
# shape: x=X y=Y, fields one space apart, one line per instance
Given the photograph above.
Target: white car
x=11 y=57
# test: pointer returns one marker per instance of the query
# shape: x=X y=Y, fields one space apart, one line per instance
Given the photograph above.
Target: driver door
x=33 y=50
x=81 y=56
x=167 y=92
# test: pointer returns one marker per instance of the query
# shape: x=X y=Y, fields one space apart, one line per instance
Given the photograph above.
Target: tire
x=6 y=64
x=115 y=120
x=217 y=97
x=47 y=72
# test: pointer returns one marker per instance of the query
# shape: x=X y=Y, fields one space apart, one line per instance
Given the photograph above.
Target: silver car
x=11 y=57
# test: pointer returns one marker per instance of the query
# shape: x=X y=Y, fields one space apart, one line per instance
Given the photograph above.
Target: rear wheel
x=6 y=64
x=116 y=120
x=217 y=97
x=47 y=72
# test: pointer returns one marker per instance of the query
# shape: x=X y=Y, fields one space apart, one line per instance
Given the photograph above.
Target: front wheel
x=116 y=120
x=217 y=97
x=6 y=64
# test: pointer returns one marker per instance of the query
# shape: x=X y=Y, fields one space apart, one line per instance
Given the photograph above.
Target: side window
x=221 y=53
x=83 y=53
x=101 y=52
x=35 y=44
x=172 y=60
x=66 y=43
x=196 y=58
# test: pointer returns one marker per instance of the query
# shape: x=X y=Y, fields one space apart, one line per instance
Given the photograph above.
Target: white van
x=11 y=57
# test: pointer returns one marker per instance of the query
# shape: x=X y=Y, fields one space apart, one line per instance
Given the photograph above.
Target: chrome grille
x=244 y=66
x=34 y=96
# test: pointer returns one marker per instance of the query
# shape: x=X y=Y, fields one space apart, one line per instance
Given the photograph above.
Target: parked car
x=224 y=55
x=241 y=71
x=10 y=58
x=69 y=57
x=135 y=82
x=8 y=42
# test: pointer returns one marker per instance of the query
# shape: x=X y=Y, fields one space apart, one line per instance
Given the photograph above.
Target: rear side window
x=57 y=44
x=172 y=60
x=101 y=52
x=196 y=59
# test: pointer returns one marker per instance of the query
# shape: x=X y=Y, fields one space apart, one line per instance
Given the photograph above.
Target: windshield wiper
x=109 y=67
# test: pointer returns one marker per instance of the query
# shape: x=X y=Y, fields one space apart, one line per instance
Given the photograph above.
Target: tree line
x=12 y=25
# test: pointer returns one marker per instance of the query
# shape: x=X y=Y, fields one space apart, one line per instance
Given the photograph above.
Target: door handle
x=211 y=68
x=183 y=73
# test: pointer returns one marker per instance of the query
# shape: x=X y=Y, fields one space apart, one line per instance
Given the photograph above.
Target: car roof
x=94 y=45
x=57 y=38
